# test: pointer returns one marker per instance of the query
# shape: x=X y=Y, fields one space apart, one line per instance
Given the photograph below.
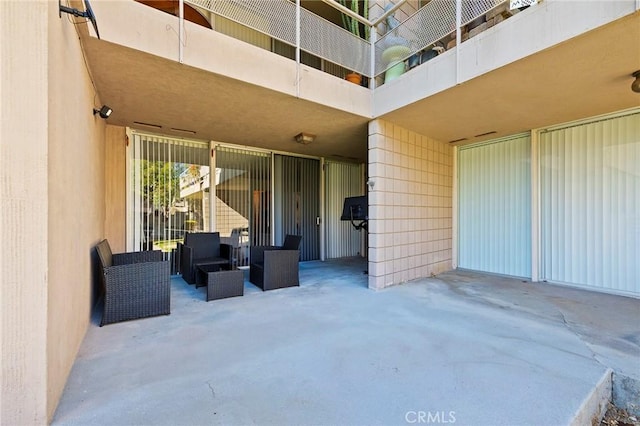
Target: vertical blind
x=495 y=207
x=243 y=199
x=170 y=181
x=590 y=204
x=298 y=203
x=341 y=180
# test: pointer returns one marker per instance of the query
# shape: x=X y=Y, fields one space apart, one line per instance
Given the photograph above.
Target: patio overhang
x=582 y=76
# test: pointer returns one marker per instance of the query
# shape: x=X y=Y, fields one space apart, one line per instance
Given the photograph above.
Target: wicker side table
x=223 y=284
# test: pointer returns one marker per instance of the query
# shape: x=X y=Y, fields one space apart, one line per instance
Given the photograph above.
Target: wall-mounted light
x=371 y=184
x=104 y=112
x=304 y=138
x=635 y=86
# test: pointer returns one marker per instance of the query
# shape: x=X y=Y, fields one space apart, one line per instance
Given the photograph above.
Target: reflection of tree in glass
x=191 y=176
x=194 y=171
x=160 y=183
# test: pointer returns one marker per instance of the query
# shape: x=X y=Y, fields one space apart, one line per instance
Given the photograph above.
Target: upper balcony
x=257 y=72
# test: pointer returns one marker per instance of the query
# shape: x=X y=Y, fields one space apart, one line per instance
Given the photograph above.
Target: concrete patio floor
x=463 y=347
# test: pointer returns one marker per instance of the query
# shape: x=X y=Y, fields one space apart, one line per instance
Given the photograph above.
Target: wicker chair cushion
x=292 y=242
x=204 y=244
x=104 y=251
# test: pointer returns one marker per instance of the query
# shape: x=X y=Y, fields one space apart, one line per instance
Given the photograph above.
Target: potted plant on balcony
x=395 y=48
x=361 y=7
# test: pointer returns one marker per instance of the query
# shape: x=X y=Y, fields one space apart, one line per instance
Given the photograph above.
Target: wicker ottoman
x=223 y=284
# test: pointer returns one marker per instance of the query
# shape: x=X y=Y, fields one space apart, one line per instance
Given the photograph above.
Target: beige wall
x=115 y=187
x=410 y=214
x=23 y=217
x=76 y=194
x=52 y=165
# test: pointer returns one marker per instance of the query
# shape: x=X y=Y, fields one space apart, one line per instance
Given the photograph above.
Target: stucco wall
x=23 y=217
x=115 y=187
x=410 y=205
x=76 y=194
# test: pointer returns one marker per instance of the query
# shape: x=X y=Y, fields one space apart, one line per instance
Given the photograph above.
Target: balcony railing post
x=373 y=38
x=388 y=12
x=180 y=31
x=298 y=48
x=349 y=12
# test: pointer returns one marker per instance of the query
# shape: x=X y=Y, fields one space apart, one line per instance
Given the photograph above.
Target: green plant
x=160 y=182
x=351 y=23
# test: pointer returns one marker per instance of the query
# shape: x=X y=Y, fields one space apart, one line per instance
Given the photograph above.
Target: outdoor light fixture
x=305 y=138
x=104 y=112
x=635 y=86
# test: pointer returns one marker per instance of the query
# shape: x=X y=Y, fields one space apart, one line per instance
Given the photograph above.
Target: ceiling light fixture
x=104 y=112
x=304 y=138
x=635 y=86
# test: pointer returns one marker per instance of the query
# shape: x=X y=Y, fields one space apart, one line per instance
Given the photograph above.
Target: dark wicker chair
x=136 y=284
x=276 y=266
x=202 y=248
x=238 y=240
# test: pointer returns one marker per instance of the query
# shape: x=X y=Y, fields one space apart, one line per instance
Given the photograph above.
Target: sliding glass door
x=258 y=197
x=170 y=191
x=243 y=199
x=590 y=209
x=494 y=196
x=297 y=202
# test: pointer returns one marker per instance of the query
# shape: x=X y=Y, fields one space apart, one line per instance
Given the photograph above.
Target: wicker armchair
x=201 y=248
x=276 y=266
x=136 y=285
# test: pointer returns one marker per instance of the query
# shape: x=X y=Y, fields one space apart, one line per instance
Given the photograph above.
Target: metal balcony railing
x=277 y=19
x=304 y=31
x=430 y=24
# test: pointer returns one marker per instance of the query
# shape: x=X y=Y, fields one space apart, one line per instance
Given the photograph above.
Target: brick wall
x=409 y=205
x=376 y=8
x=228 y=219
